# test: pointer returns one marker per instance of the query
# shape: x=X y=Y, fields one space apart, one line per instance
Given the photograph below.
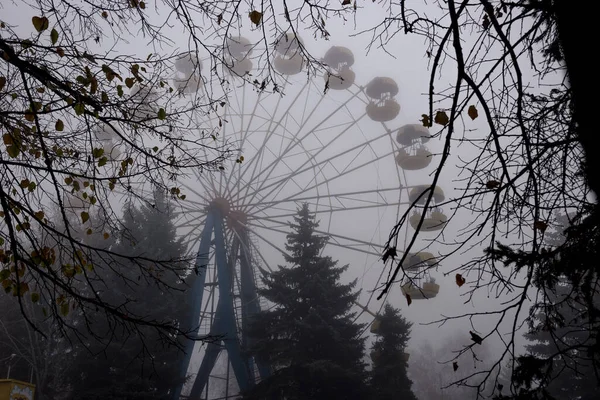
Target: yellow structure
x=11 y=389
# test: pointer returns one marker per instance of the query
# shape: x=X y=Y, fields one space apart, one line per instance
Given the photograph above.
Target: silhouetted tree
x=308 y=336
x=561 y=357
x=389 y=378
x=139 y=364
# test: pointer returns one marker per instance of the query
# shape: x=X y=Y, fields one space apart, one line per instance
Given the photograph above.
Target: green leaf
x=64 y=309
x=59 y=126
x=13 y=151
x=155 y=149
x=102 y=161
x=5 y=273
x=98 y=152
x=54 y=36
x=104 y=97
x=35 y=297
x=162 y=114
x=85 y=217
x=40 y=23
x=79 y=108
x=120 y=90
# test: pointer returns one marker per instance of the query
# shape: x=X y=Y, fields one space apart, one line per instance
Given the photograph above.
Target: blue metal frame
x=224 y=326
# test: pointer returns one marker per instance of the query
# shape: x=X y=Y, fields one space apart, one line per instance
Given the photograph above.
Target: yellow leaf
x=40 y=23
x=472 y=111
x=255 y=17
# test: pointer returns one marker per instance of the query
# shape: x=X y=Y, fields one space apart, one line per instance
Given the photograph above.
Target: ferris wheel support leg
x=231 y=340
x=195 y=299
x=250 y=305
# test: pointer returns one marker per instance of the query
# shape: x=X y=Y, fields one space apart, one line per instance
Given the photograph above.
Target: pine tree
x=389 y=378
x=560 y=344
x=137 y=364
x=309 y=337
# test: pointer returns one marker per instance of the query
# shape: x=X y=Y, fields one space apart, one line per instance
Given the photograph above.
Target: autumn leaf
x=460 y=280
x=59 y=126
x=389 y=253
x=105 y=236
x=35 y=297
x=129 y=82
x=84 y=217
x=255 y=17
x=219 y=19
x=472 y=111
x=2 y=82
x=455 y=366
x=476 y=338
x=441 y=118
x=346 y=2
x=40 y=23
x=492 y=184
x=540 y=226
x=408 y=299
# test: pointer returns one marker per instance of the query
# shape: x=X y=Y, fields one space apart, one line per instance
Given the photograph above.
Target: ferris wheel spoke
x=267 y=241
x=331 y=179
x=324 y=162
x=331 y=195
x=256 y=162
x=244 y=133
x=341 y=209
x=295 y=140
x=354 y=247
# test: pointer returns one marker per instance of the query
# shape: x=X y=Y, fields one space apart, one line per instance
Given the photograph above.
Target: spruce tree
x=559 y=349
x=389 y=378
x=137 y=364
x=308 y=336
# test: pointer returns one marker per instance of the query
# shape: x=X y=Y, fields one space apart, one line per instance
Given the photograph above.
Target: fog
x=311 y=144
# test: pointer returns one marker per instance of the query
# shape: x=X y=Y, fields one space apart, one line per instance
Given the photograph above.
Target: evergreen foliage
x=138 y=363
x=309 y=337
x=389 y=378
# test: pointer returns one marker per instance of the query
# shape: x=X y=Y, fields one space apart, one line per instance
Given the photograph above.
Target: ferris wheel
x=328 y=142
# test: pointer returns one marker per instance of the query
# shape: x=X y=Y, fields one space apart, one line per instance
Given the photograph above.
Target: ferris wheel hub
x=220 y=204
